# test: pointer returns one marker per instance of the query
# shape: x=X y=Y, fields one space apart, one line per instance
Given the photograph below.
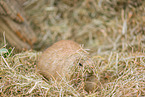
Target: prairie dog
x=65 y=60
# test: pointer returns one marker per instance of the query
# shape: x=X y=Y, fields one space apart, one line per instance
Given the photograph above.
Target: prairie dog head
x=65 y=60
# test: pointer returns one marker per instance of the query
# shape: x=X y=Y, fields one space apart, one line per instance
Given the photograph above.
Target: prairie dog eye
x=80 y=64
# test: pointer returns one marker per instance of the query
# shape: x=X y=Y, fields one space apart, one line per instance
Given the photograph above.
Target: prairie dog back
x=56 y=60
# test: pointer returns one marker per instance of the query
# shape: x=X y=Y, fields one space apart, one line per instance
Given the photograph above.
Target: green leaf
x=3 y=50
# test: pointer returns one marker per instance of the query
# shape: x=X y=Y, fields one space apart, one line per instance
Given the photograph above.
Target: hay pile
x=120 y=74
x=114 y=30
x=111 y=24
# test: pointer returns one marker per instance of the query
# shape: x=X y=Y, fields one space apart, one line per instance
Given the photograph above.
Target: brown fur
x=61 y=61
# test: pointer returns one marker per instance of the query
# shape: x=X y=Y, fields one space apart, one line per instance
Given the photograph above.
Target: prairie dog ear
x=88 y=63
